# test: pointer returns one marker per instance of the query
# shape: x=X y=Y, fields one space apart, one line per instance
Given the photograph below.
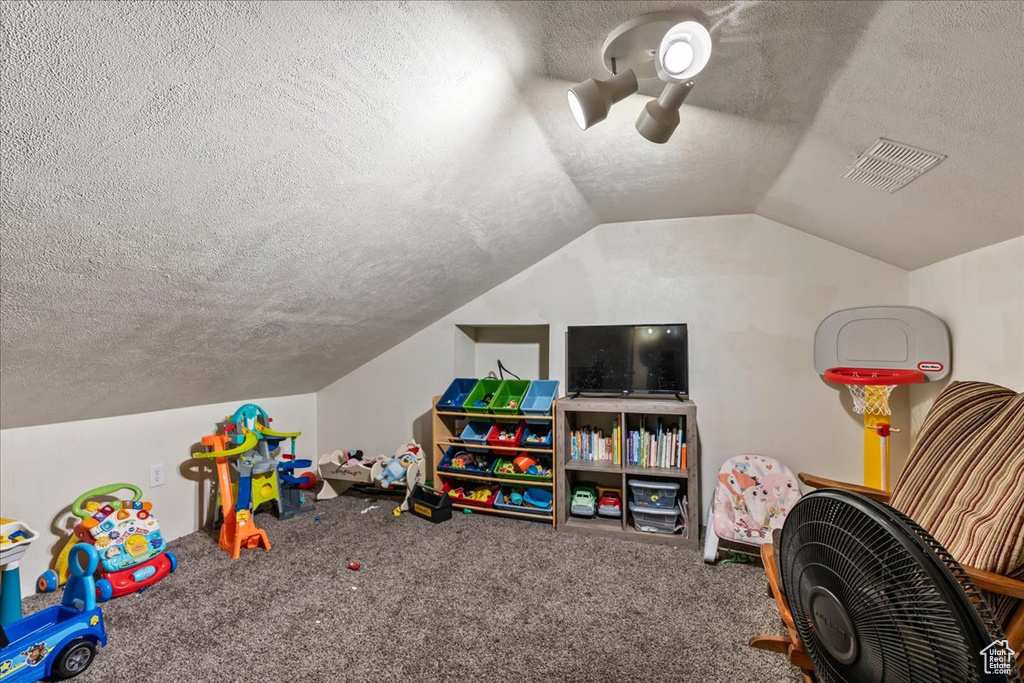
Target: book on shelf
x=592 y=444
x=663 y=446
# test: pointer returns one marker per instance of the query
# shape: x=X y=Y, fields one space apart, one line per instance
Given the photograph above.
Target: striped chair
x=964 y=483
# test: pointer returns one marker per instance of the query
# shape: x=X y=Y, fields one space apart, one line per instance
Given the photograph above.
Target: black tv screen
x=626 y=359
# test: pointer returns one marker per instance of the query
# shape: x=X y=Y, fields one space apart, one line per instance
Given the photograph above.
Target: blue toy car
x=58 y=642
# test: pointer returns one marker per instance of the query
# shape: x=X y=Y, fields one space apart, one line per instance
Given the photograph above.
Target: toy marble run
x=260 y=477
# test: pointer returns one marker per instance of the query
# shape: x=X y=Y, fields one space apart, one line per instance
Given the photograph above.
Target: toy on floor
x=753 y=496
x=248 y=431
x=60 y=641
x=15 y=538
x=584 y=501
x=340 y=472
x=132 y=551
x=609 y=504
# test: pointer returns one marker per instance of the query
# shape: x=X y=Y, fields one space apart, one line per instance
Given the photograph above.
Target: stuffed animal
x=395 y=468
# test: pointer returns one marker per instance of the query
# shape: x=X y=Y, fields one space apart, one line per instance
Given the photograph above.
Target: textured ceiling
x=203 y=202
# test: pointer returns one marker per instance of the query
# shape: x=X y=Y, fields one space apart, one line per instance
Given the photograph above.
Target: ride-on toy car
x=127 y=537
x=58 y=642
x=584 y=498
x=610 y=504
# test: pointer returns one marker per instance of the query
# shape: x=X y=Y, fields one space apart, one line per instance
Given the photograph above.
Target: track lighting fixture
x=590 y=100
x=673 y=46
x=660 y=117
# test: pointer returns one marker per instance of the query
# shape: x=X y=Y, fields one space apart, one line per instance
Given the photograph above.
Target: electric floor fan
x=875 y=598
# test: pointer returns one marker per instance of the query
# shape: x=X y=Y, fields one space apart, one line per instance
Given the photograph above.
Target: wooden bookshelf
x=446 y=428
x=572 y=413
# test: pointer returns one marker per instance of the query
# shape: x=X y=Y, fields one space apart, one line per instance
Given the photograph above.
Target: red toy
x=132 y=551
x=610 y=504
x=354 y=566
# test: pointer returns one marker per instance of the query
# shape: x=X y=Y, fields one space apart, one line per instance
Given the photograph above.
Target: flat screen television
x=627 y=359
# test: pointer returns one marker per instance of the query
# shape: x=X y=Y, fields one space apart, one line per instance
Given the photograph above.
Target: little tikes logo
x=999 y=658
x=930 y=366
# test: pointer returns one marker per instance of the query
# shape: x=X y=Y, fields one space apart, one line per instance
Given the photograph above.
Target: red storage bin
x=494 y=436
x=468 y=486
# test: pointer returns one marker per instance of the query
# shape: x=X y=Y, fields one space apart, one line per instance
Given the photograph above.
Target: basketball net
x=871 y=399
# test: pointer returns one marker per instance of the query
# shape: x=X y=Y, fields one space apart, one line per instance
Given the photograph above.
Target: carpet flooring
x=479 y=598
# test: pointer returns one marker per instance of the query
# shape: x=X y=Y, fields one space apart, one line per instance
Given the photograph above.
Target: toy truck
x=58 y=642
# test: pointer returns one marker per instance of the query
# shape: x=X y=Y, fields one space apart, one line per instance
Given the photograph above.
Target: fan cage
x=905 y=590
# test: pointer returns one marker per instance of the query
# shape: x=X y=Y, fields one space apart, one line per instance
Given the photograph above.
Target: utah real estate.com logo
x=999 y=658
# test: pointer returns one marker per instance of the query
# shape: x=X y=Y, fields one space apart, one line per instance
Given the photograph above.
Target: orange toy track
x=239 y=529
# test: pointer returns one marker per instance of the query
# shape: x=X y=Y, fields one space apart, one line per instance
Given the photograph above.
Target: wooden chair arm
x=996 y=583
x=817 y=482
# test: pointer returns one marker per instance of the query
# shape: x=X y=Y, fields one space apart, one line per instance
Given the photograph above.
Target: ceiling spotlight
x=684 y=52
x=591 y=100
x=660 y=117
x=672 y=46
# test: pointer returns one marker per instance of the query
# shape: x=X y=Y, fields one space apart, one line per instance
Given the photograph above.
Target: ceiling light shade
x=684 y=52
x=591 y=100
x=660 y=117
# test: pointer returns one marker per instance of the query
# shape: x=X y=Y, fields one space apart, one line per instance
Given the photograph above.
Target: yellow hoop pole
x=876 y=448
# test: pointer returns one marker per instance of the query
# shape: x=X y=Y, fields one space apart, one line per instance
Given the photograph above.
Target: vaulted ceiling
x=203 y=202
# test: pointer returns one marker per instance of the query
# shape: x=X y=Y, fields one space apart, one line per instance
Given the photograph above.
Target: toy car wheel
x=172 y=559
x=104 y=590
x=74 y=659
x=47 y=582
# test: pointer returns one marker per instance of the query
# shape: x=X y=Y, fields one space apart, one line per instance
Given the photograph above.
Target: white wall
x=752 y=291
x=44 y=468
x=980 y=296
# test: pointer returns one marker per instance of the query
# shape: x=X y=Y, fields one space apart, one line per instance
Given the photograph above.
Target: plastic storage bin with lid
x=653 y=493
x=656 y=520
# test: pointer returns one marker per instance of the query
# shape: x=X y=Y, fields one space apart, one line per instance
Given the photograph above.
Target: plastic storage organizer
x=649 y=493
x=657 y=520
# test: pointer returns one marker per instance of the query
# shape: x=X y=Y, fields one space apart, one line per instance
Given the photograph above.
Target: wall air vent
x=888 y=165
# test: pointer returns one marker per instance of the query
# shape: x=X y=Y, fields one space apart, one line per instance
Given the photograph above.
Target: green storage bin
x=511 y=390
x=482 y=388
x=505 y=469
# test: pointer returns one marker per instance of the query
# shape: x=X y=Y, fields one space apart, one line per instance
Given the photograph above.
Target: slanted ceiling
x=203 y=202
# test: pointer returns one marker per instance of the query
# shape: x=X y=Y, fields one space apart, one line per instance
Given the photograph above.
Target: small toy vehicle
x=60 y=641
x=583 y=502
x=610 y=504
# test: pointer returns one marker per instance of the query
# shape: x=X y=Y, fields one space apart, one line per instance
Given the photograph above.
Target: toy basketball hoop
x=871 y=387
x=872 y=351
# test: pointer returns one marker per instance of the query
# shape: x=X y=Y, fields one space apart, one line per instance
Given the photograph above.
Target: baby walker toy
x=248 y=430
x=60 y=641
x=872 y=350
x=127 y=537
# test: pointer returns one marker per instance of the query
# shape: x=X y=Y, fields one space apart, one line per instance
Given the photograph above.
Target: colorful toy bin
x=456 y=394
x=481 y=396
x=539 y=397
x=509 y=397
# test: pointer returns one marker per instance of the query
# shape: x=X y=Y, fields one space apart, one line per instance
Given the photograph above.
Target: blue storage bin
x=446 y=461
x=456 y=394
x=476 y=431
x=539 y=398
x=536 y=436
x=499 y=501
